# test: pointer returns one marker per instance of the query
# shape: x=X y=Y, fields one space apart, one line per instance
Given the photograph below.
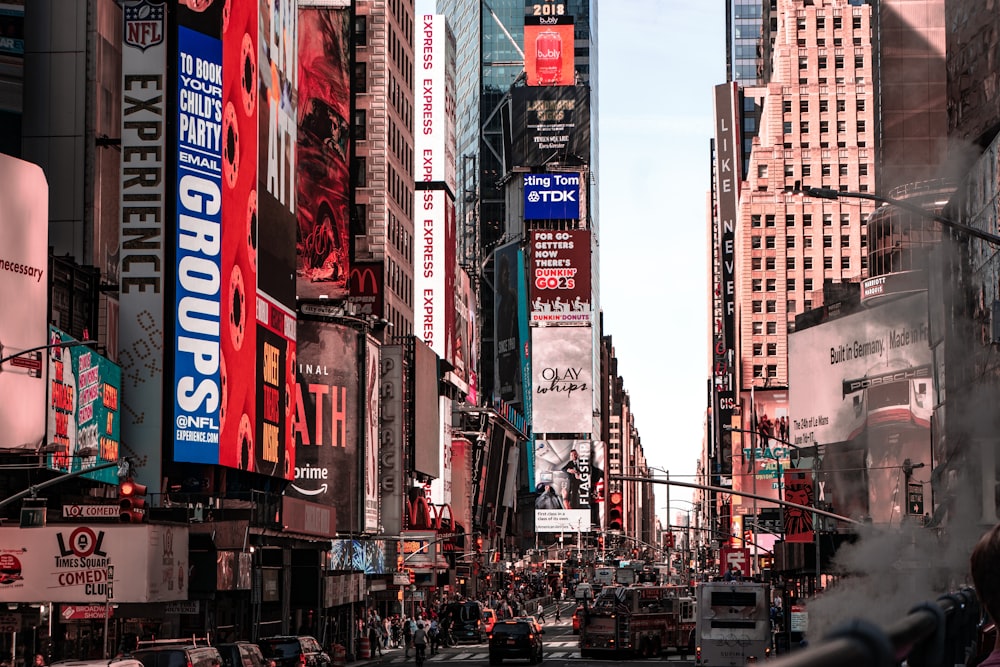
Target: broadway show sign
x=550 y=124
x=562 y=379
x=559 y=277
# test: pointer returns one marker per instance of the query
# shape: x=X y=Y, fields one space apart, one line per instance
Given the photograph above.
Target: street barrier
x=944 y=632
x=339 y=656
x=366 y=648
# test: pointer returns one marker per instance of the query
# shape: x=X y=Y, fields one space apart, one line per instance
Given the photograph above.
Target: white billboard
x=562 y=379
x=70 y=563
x=24 y=260
x=434 y=139
x=862 y=388
x=562 y=521
x=434 y=272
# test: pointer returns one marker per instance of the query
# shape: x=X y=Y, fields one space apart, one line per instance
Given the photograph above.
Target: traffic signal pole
x=35 y=488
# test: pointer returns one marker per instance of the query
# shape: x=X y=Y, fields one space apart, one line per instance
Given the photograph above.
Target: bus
x=733 y=625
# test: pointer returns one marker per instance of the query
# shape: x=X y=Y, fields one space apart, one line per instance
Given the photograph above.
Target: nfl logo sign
x=143 y=22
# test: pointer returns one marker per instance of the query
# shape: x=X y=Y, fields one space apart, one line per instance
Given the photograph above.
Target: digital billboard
x=867 y=402
x=434 y=273
x=549 y=51
x=24 y=239
x=84 y=411
x=567 y=475
x=552 y=196
x=550 y=124
x=143 y=216
x=327 y=430
x=559 y=277
x=323 y=243
x=562 y=380
x=434 y=139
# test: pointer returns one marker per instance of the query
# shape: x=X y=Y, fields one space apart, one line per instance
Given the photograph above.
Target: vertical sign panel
x=434 y=140
x=390 y=392
x=561 y=377
x=371 y=430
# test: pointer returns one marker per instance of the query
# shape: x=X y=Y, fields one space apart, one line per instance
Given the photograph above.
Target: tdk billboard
x=551 y=196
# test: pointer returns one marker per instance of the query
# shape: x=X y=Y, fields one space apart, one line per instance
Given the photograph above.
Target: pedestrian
x=374 y=637
x=419 y=643
x=557 y=613
x=433 y=633
x=408 y=627
x=39 y=660
x=986 y=578
x=541 y=613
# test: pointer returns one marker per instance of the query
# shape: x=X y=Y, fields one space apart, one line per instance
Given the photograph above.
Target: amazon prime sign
x=326 y=424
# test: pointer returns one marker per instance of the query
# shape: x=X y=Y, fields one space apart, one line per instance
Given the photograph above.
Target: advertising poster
x=143 y=214
x=549 y=50
x=391 y=418
x=562 y=521
x=326 y=420
x=552 y=196
x=367 y=556
x=799 y=489
x=434 y=140
x=434 y=273
x=761 y=458
x=559 y=277
x=426 y=419
x=567 y=476
x=562 y=380
x=24 y=238
x=872 y=409
x=323 y=155
x=83 y=409
x=70 y=563
x=550 y=124
x=465 y=337
x=507 y=334
x=197 y=382
x=371 y=381
x=366 y=289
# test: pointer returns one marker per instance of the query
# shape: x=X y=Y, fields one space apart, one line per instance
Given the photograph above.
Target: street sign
x=10 y=623
x=84 y=612
x=915 y=493
x=32 y=517
x=400 y=579
x=90 y=511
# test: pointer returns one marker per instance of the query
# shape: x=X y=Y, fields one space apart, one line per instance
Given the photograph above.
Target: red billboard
x=548 y=50
x=559 y=277
x=366 y=284
x=323 y=186
x=327 y=430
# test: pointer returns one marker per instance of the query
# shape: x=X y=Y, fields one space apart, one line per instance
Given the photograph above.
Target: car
x=177 y=653
x=111 y=662
x=515 y=639
x=489 y=620
x=294 y=651
x=577 y=615
x=466 y=621
x=530 y=619
x=241 y=654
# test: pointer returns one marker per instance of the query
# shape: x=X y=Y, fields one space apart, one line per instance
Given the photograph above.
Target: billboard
x=323 y=242
x=799 y=489
x=391 y=437
x=426 y=424
x=562 y=521
x=70 y=563
x=569 y=471
x=83 y=409
x=366 y=287
x=371 y=433
x=143 y=214
x=327 y=431
x=559 y=277
x=562 y=380
x=550 y=125
x=506 y=318
x=549 y=51
x=434 y=273
x=24 y=260
x=552 y=196
x=868 y=404
x=434 y=140
x=441 y=487
x=465 y=356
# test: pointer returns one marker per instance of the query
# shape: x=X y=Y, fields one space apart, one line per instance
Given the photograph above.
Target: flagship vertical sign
x=727 y=179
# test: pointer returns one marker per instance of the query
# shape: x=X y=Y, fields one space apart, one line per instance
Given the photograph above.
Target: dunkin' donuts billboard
x=559 y=277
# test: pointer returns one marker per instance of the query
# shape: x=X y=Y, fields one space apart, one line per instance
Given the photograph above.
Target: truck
x=641 y=620
x=733 y=623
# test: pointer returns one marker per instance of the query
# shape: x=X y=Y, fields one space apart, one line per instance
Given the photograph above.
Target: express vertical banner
x=549 y=51
x=323 y=152
x=434 y=139
x=326 y=420
x=434 y=275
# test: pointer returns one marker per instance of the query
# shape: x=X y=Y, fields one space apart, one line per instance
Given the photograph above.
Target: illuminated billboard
x=506 y=319
x=552 y=196
x=327 y=431
x=83 y=409
x=434 y=138
x=434 y=273
x=567 y=475
x=24 y=238
x=366 y=285
x=562 y=380
x=550 y=124
x=143 y=216
x=867 y=399
x=323 y=148
x=559 y=277
x=549 y=51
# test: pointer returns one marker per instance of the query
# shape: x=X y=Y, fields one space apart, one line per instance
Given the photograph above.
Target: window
x=359 y=128
x=772 y=284
x=800 y=24
x=790 y=285
x=786 y=127
x=827 y=241
x=360 y=30
x=838 y=23
x=821 y=61
x=761 y=171
x=864 y=240
x=789 y=220
x=807 y=220
x=758 y=306
x=825 y=170
x=772 y=306
x=804 y=127
x=807 y=285
x=755 y=242
x=845 y=219
x=772 y=349
x=769 y=242
x=842 y=169
x=808 y=304
x=804 y=106
x=828 y=263
x=859 y=62
x=789 y=241
x=824 y=105
x=845 y=241
x=803 y=63
x=820 y=22
x=789 y=170
x=861 y=126
x=807 y=170
x=769 y=220
x=790 y=306
x=755 y=264
x=790 y=263
x=861 y=104
x=786 y=106
x=862 y=169
x=807 y=262
x=841 y=105
x=828 y=219
x=755 y=221
x=359 y=172
x=757 y=285
x=845 y=263
x=772 y=328
x=758 y=349
x=361 y=77
x=807 y=242
x=824 y=126
x=758 y=329
x=856 y=23
x=838 y=62
x=769 y=264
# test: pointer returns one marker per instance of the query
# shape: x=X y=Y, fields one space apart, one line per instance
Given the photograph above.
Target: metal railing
x=932 y=634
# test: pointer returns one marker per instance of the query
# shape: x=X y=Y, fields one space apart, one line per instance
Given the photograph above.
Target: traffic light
x=479 y=544
x=668 y=540
x=616 y=516
x=410 y=574
x=131 y=503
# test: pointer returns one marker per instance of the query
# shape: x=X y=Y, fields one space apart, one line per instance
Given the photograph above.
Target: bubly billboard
x=549 y=50
x=552 y=196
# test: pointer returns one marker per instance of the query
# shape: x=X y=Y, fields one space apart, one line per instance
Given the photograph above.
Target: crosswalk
x=554 y=650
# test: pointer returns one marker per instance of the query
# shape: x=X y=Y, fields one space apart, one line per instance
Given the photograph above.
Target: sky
x=658 y=63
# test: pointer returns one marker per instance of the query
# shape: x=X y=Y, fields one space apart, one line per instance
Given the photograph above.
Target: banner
x=562 y=379
x=550 y=124
x=559 y=277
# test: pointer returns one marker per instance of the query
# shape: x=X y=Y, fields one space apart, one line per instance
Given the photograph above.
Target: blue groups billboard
x=552 y=196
